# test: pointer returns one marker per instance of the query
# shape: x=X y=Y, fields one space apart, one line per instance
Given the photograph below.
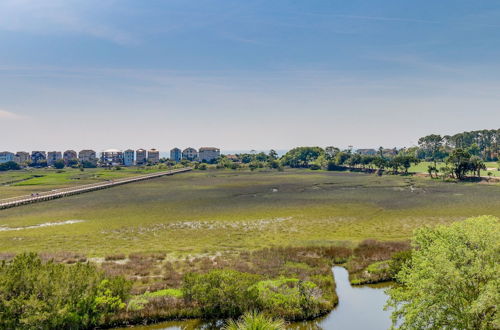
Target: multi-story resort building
x=70 y=156
x=176 y=155
x=153 y=156
x=22 y=157
x=112 y=157
x=52 y=157
x=109 y=157
x=368 y=152
x=37 y=157
x=128 y=157
x=6 y=156
x=141 y=156
x=208 y=154
x=190 y=154
x=87 y=156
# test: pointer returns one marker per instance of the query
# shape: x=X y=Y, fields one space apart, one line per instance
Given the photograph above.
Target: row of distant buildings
x=108 y=157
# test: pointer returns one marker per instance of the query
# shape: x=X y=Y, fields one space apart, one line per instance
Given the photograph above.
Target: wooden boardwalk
x=59 y=193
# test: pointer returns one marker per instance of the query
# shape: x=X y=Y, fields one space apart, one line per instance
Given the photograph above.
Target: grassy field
x=218 y=211
x=25 y=182
x=422 y=168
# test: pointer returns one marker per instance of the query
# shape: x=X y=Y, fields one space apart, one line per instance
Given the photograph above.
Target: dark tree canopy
x=302 y=156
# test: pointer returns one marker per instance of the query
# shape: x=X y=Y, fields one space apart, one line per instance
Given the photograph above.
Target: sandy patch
x=46 y=224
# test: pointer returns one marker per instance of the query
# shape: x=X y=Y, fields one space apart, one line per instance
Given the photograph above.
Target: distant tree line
x=329 y=158
x=484 y=144
x=463 y=155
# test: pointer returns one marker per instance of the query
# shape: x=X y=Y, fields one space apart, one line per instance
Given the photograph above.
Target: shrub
x=59 y=164
x=255 y=321
x=39 y=295
x=398 y=260
x=9 y=166
x=315 y=167
x=332 y=166
x=221 y=293
x=289 y=298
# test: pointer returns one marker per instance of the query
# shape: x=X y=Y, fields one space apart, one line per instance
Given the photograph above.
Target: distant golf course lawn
x=223 y=210
x=25 y=182
x=423 y=166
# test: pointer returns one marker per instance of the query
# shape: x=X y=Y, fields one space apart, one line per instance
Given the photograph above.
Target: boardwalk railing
x=63 y=192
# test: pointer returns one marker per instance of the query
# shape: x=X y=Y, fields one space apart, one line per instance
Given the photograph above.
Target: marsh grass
x=207 y=212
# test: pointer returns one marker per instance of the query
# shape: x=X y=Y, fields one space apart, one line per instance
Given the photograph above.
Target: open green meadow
x=205 y=212
x=25 y=182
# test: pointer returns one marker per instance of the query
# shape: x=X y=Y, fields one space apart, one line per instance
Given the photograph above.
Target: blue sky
x=245 y=74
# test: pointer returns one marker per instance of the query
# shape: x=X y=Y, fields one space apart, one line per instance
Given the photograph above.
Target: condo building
x=190 y=154
x=208 y=154
x=52 y=157
x=6 y=156
x=128 y=157
x=141 y=156
x=112 y=157
x=87 y=155
x=153 y=156
x=69 y=156
x=176 y=155
x=22 y=157
x=37 y=157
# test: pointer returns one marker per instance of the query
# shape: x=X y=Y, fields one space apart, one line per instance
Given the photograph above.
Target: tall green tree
x=431 y=145
x=452 y=279
x=459 y=159
x=302 y=156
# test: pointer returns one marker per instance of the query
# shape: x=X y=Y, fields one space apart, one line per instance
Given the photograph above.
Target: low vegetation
x=255 y=321
x=205 y=212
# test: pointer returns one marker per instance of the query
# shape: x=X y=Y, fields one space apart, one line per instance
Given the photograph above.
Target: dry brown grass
x=114 y=257
x=369 y=252
x=63 y=257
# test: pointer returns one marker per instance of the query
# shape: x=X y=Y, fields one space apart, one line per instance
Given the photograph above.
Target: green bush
x=315 y=167
x=398 y=260
x=9 y=166
x=221 y=293
x=289 y=298
x=38 y=295
x=228 y=293
x=255 y=321
x=59 y=164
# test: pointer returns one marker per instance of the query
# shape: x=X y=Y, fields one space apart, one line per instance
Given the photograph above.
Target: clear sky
x=245 y=74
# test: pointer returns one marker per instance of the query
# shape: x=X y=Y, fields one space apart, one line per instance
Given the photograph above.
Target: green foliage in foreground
x=38 y=295
x=453 y=278
x=229 y=293
x=255 y=321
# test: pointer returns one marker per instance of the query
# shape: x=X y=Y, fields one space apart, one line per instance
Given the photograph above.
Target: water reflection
x=359 y=308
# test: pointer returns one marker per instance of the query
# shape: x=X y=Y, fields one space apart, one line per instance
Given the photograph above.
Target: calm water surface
x=359 y=308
